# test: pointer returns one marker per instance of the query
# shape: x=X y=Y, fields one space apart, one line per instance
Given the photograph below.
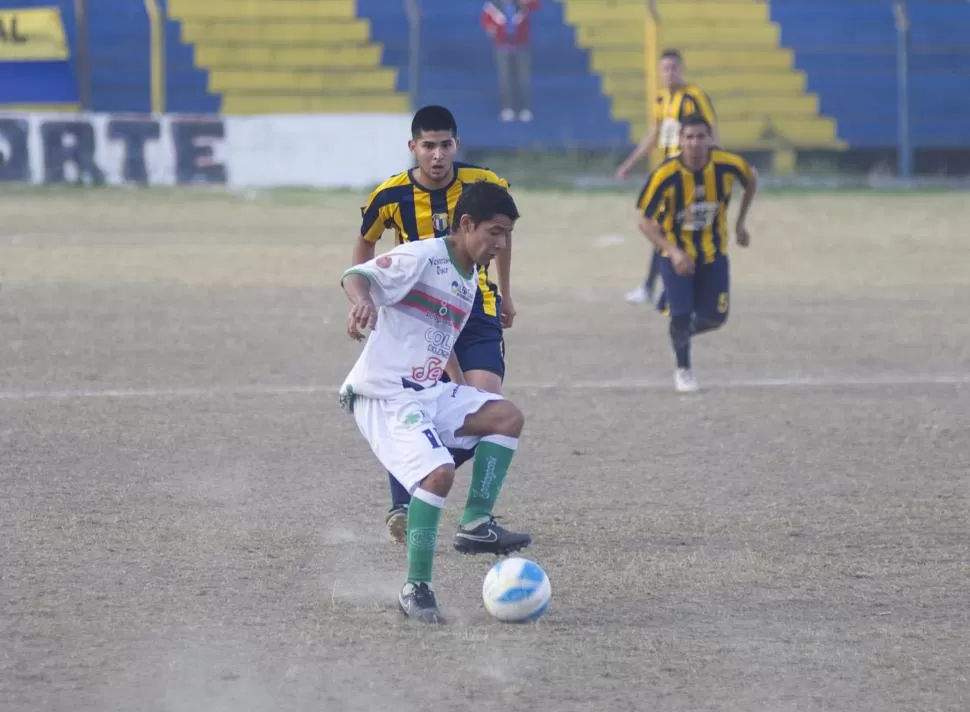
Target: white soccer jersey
x=423 y=300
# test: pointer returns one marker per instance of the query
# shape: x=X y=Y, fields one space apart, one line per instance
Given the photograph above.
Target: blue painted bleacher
x=848 y=51
x=458 y=70
x=118 y=37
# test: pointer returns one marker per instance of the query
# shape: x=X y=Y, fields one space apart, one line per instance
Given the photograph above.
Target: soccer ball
x=516 y=591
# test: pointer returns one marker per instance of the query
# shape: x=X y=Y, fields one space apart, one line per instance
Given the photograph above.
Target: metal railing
x=905 y=148
x=156 y=22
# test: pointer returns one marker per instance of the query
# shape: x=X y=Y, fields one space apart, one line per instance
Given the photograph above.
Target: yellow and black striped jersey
x=692 y=206
x=416 y=213
x=671 y=108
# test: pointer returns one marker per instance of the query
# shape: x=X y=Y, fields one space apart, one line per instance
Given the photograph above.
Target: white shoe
x=507 y=115
x=525 y=115
x=640 y=295
x=684 y=381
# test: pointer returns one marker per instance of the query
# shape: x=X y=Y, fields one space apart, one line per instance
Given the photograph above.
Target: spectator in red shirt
x=507 y=23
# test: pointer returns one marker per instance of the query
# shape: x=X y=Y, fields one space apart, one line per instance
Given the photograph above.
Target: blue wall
x=458 y=70
x=848 y=51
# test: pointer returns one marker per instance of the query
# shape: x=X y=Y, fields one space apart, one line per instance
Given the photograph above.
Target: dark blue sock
x=680 y=339
x=399 y=495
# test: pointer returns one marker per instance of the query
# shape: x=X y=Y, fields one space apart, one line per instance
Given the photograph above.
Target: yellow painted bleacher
x=731 y=49
x=40 y=108
x=288 y=56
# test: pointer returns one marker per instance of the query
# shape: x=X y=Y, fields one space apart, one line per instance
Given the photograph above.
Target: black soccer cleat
x=490 y=538
x=417 y=600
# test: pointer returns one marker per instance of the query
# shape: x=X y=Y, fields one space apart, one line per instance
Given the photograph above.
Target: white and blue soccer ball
x=516 y=591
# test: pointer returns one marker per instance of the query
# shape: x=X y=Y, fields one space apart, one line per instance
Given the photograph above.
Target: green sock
x=492 y=458
x=424 y=514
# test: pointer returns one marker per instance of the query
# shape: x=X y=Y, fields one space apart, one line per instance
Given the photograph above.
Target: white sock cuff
x=502 y=441
x=429 y=498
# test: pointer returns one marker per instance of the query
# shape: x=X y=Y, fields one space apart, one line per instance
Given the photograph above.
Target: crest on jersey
x=440 y=222
x=700 y=192
x=383 y=261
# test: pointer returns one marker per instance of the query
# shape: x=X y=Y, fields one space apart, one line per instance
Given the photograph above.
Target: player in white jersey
x=416 y=299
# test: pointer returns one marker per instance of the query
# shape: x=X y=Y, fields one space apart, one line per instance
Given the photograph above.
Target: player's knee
x=504 y=418
x=513 y=420
x=484 y=379
x=440 y=480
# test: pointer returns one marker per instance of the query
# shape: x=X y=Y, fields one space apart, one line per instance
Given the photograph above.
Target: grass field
x=189 y=523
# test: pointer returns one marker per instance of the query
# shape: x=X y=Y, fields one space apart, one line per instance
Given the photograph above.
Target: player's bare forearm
x=643 y=148
x=646 y=145
x=654 y=233
x=363 y=251
x=748 y=197
x=357 y=288
x=503 y=261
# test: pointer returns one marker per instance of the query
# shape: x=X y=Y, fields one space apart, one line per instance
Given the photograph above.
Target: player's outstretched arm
x=747 y=198
x=642 y=149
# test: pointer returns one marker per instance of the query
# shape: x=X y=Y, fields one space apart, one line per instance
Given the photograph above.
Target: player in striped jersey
x=676 y=100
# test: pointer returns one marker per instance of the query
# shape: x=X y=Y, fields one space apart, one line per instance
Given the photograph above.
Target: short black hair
x=433 y=118
x=695 y=120
x=483 y=200
x=672 y=54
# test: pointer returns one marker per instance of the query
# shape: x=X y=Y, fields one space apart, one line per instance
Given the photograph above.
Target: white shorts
x=411 y=433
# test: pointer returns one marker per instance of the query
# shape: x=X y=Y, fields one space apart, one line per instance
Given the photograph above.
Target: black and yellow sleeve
x=375 y=214
x=736 y=165
x=651 y=200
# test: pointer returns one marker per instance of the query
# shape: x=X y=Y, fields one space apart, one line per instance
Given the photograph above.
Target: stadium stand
x=847 y=51
x=813 y=75
x=458 y=69
x=120 y=61
x=288 y=56
x=731 y=50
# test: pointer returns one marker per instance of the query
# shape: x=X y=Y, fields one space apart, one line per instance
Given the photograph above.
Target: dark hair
x=484 y=200
x=672 y=54
x=695 y=120
x=433 y=118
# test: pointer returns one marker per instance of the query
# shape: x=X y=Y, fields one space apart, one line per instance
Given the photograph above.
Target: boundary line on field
x=806 y=382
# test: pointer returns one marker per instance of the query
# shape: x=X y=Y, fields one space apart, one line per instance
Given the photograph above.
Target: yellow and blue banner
x=36 y=67
x=32 y=34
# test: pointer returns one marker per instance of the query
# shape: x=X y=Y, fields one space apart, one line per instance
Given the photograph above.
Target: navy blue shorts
x=480 y=345
x=705 y=293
